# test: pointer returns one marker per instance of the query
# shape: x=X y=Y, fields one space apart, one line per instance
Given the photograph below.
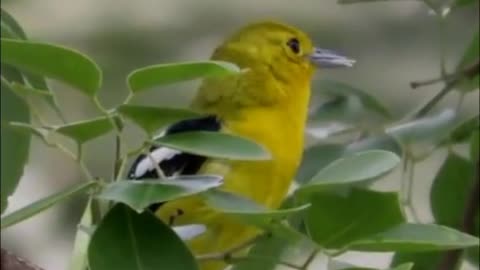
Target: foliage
x=335 y=208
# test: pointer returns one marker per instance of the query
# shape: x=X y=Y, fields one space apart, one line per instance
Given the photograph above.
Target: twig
x=117 y=163
x=310 y=259
x=452 y=258
x=469 y=72
x=227 y=254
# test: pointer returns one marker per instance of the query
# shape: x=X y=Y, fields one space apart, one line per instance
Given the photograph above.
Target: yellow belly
x=265 y=182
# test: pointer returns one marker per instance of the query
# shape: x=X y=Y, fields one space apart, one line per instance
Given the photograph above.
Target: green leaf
x=448 y=197
x=404 y=266
x=148 y=77
x=469 y=58
x=462 y=3
x=10 y=27
x=421 y=260
x=247 y=210
x=45 y=203
x=462 y=132
x=341 y=89
x=319 y=156
x=376 y=142
x=409 y=237
x=353 y=168
x=78 y=260
x=271 y=249
x=83 y=131
x=15 y=146
x=316 y=158
x=140 y=194
x=53 y=61
x=25 y=91
x=350 y=217
x=151 y=119
x=215 y=144
x=126 y=240
x=450 y=190
x=474 y=146
x=429 y=129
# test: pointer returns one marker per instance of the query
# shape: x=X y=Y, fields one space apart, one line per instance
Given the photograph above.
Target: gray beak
x=329 y=59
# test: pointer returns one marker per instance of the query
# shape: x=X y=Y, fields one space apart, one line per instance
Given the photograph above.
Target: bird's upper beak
x=329 y=59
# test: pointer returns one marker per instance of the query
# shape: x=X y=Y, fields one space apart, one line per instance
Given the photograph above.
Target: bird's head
x=284 y=49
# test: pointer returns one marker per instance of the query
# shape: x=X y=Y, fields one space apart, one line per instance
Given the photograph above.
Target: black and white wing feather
x=170 y=161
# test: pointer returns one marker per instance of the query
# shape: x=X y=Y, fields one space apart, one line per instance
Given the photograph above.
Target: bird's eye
x=294 y=45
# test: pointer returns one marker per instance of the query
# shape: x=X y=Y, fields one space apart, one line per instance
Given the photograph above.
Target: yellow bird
x=266 y=103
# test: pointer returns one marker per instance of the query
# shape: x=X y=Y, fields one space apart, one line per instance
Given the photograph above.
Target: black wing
x=170 y=161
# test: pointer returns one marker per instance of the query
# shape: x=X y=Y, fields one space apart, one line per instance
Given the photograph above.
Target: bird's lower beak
x=329 y=59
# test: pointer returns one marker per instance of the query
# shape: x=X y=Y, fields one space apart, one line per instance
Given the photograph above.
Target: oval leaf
x=86 y=130
x=125 y=240
x=462 y=132
x=45 y=203
x=53 y=61
x=450 y=190
x=15 y=145
x=410 y=237
x=247 y=210
x=341 y=89
x=148 y=77
x=151 y=119
x=354 y=168
x=351 y=217
x=430 y=129
x=10 y=27
x=140 y=194
x=214 y=144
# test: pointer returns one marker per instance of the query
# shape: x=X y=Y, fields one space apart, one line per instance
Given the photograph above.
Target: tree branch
x=469 y=72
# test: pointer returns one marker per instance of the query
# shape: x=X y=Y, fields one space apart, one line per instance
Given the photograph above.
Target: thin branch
x=468 y=72
x=310 y=259
x=118 y=159
x=452 y=258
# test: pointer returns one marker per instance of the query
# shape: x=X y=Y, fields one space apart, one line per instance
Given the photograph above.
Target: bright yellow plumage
x=266 y=103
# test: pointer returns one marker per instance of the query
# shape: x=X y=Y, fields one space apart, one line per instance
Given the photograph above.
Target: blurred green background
x=394 y=42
